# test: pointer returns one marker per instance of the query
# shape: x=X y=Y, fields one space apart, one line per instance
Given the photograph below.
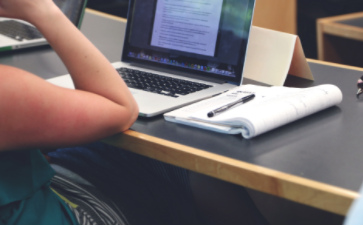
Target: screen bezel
x=81 y=15
x=78 y=22
x=239 y=69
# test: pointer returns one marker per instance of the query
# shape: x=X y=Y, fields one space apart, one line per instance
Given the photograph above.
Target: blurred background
x=297 y=17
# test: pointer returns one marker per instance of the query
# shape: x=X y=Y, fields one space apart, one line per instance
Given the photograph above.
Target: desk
x=315 y=161
x=340 y=39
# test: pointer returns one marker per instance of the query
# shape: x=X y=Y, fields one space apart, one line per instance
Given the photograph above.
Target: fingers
x=2 y=9
x=2 y=13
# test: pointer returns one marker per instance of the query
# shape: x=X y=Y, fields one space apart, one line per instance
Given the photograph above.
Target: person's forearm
x=89 y=69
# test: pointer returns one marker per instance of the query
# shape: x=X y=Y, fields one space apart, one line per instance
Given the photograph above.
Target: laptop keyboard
x=160 y=84
x=19 y=31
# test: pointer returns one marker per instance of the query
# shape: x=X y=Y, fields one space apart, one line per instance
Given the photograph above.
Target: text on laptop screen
x=71 y=8
x=182 y=26
x=207 y=36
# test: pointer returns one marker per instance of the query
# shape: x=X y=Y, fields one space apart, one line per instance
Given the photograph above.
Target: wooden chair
x=340 y=39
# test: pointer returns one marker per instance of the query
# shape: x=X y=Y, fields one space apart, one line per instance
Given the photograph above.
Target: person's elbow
x=131 y=115
x=134 y=114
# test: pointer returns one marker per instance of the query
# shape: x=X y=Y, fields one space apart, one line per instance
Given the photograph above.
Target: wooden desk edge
x=95 y=12
x=340 y=30
x=294 y=188
x=342 y=17
x=335 y=65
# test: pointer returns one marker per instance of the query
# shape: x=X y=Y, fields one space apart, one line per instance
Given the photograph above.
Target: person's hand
x=29 y=10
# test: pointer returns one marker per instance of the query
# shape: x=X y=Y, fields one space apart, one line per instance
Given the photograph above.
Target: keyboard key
x=19 y=31
x=159 y=84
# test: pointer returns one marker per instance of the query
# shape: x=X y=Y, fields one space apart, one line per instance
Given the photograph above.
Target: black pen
x=229 y=106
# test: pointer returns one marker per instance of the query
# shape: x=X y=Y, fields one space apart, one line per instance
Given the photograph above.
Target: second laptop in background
x=18 y=34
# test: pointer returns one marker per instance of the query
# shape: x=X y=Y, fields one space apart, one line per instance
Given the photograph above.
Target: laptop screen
x=206 y=37
x=72 y=9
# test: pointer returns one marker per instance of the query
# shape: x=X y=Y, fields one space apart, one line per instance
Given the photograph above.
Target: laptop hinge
x=175 y=72
x=233 y=83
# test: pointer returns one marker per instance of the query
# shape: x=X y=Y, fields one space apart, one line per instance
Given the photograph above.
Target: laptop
x=17 y=34
x=177 y=52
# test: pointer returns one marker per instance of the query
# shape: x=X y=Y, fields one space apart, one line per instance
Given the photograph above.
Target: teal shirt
x=355 y=216
x=25 y=196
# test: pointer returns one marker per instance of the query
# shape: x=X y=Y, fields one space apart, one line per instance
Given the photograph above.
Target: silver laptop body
x=163 y=39
x=152 y=104
x=18 y=34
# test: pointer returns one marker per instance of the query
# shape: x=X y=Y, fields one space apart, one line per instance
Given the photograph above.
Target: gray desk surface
x=357 y=22
x=326 y=147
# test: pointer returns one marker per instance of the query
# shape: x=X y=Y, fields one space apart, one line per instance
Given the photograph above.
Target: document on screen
x=187 y=25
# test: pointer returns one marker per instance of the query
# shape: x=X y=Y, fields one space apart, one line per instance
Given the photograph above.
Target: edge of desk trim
x=98 y=13
x=348 y=16
x=319 y=195
x=335 y=65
